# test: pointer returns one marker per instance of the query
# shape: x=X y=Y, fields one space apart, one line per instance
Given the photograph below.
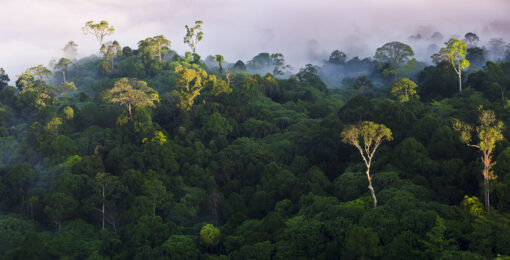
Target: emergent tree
x=132 y=94
x=194 y=35
x=99 y=30
x=455 y=54
x=366 y=137
x=489 y=132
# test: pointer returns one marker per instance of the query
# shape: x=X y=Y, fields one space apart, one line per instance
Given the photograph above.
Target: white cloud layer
x=34 y=31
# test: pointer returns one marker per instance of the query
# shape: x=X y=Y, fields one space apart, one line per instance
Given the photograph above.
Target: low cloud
x=35 y=31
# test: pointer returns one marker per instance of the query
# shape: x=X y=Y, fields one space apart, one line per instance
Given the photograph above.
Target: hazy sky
x=34 y=31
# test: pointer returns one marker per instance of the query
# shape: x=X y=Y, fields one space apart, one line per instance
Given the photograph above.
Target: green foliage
x=210 y=236
x=472 y=206
x=181 y=247
x=404 y=90
x=132 y=94
x=194 y=35
x=99 y=30
x=436 y=242
x=190 y=83
x=255 y=153
x=361 y=243
x=13 y=230
x=455 y=53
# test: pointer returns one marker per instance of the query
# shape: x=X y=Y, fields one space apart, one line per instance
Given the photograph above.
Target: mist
x=36 y=31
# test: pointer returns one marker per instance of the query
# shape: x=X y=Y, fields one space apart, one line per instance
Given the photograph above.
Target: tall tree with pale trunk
x=63 y=65
x=105 y=186
x=489 y=132
x=366 y=137
x=110 y=50
x=194 y=35
x=455 y=53
x=162 y=43
x=99 y=30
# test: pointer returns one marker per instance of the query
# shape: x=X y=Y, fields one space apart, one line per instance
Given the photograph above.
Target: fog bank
x=35 y=31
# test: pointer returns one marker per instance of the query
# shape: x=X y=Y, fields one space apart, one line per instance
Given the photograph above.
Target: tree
x=155 y=46
x=110 y=50
x=105 y=186
x=16 y=182
x=210 y=236
x=496 y=49
x=436 y=242
x=148 y=47
x=99 y=30
x=32 y=82
x=62 y=65
x=189 y=83
x=39 y=72
x=59 y=207
x=337 y=57
x=53 y=125
x=132 y=94
x=194 y=35
x=4 y=79
x=394 y=53
x=489 y=132
x=181 y=247
x=471 y=39
x=477 y=56
x=163 y=44
x=454 y=53
x=279 y=64
x=157 y=192
x=362 y=84
x=239 y=65
x=309 y=74
x=404 y=90
x=70 y=50
x=220 y=59
x=366 y=137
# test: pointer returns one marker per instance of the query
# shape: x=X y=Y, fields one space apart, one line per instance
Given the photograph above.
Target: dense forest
x=147 y=154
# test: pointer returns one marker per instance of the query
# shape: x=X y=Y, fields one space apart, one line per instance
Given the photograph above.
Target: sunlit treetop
x=404 y=90
x=132 y=93
x=194 y=35
x=455 y=53
x=99 y=30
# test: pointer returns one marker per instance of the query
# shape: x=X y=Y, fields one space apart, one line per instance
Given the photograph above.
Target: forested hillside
x=144 y=153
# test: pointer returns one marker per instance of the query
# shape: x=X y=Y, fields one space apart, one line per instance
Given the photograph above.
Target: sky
x=33 y=32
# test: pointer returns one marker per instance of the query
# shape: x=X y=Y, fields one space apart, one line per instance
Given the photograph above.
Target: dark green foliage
x=437 y=82
x=258 y=172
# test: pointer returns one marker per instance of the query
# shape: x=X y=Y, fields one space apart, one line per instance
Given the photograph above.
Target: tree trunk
x=102 y=210
x=486 y=194
x=372 y=191
x=460 y=81
x=159 y=46
x=64 y=76
x=130 y=113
